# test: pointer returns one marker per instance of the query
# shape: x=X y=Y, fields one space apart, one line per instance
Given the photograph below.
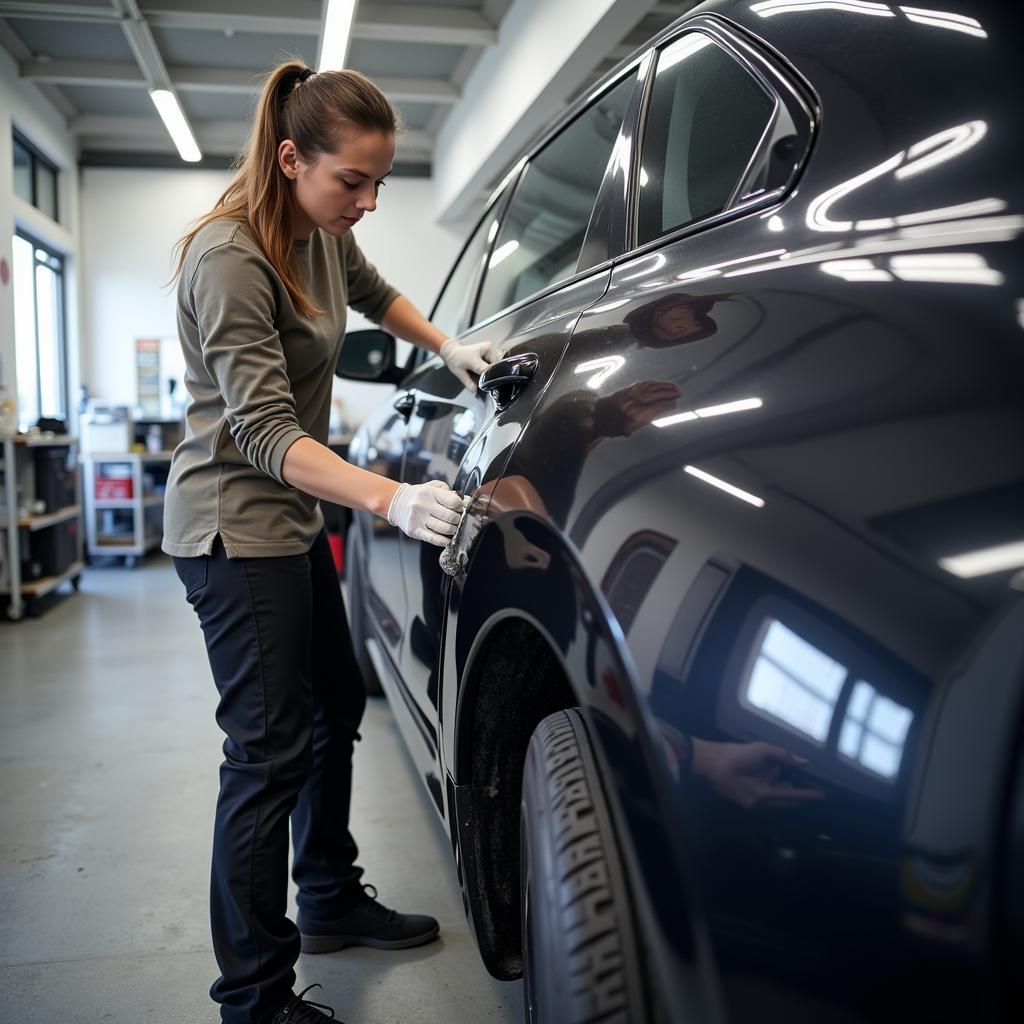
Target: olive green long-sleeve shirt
x=259 y=376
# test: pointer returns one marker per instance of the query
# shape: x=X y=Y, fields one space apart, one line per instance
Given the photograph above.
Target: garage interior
x=107 y=731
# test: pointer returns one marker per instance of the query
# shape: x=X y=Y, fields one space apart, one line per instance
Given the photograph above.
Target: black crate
x=54 y=548
x=55 y=479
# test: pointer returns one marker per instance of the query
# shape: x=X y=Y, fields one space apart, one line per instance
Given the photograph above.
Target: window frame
x=789 y=92
x=38 y=159
x=577 y=110
x=62 y=321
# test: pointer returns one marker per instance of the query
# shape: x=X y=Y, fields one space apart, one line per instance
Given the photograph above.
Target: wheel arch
x=523 y=648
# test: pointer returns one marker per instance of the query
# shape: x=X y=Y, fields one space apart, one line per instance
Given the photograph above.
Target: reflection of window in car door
x=542 y=234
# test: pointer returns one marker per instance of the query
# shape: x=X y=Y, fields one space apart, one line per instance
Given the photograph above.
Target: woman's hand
x=465 y=359
x=429 y=511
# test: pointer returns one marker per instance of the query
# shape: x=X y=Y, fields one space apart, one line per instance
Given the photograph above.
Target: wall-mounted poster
x=147 y=369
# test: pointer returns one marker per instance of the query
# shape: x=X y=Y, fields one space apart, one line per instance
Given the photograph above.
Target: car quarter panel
x=773 y=459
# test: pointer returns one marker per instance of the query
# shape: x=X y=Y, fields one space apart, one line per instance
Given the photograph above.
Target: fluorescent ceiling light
x=771 y=7
x=948 y=267
x=710 y=410
x=502 y=253
x=856 y=270
x=753 y=499
x=942 y=146
x=174 y=121
x=680 y=50
x=605 y=367
x=337 y=32
x=985 y=560
x=944 y=19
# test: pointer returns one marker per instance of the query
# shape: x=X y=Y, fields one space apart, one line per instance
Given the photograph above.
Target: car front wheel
x=580 y=962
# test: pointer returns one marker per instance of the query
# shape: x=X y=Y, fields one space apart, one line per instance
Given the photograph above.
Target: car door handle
x=504 y=379
x=405 y=403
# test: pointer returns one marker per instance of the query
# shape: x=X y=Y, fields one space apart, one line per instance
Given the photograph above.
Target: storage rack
x=144 y=536
x=18 y=592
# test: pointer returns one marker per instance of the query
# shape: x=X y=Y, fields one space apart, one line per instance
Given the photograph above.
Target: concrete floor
x=108 y=780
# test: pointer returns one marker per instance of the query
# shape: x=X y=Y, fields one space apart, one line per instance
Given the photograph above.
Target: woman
x=263 y=285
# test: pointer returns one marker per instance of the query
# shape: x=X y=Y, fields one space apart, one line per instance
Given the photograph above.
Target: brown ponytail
x=314 y=110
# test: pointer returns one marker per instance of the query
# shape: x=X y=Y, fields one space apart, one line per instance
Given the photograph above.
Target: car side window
x=451 y=308
x=705 y=121
x=542 y=235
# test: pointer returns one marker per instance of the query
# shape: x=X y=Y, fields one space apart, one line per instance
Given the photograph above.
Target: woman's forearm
x=405 y=321
x=311 y=467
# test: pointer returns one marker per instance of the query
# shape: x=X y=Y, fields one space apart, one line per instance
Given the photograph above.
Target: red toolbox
x=113 y=487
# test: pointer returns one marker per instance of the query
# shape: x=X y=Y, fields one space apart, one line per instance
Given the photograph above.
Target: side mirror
x=368 y=356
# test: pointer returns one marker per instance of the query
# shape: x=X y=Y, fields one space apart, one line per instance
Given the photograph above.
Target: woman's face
x=335 y=190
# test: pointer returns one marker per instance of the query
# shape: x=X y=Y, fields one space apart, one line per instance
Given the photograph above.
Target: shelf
x=149 y=501
x=128 y=456
x=41 y=587
x=33 y=523
x=45 y=441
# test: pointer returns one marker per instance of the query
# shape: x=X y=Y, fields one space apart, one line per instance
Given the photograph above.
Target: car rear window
x=542 y=235
x=706 y=119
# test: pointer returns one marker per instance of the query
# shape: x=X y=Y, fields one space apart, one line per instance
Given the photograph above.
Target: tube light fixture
x=752 y=499
x=985 y=561
x=337 y=33
x=711 y=410
x=173 y=117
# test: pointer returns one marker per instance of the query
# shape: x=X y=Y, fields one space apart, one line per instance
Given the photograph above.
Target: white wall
x=22 y=107
x=131 y=220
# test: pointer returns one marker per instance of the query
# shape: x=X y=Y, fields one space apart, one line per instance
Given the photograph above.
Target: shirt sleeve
x=234 y=299
x=368 y=292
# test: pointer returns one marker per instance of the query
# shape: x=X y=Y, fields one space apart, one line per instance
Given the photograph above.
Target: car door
x=385 y=435
x=543 y=268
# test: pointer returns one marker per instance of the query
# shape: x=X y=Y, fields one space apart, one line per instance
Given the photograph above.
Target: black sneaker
x=368 y=924
x=304 y=1011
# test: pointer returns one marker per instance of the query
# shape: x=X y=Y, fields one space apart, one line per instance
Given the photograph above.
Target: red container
x=337 y=543
x=108 y=487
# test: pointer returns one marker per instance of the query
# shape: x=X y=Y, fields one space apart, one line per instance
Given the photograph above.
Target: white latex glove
x=429 y=511
x=464 y=360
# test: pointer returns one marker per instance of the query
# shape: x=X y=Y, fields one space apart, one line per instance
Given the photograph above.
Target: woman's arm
x=405 y=321
x=311 y=467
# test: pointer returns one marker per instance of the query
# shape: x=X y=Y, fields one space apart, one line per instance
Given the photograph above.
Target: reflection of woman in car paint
x=555 y=444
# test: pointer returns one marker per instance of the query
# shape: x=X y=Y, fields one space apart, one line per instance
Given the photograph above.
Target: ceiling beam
x=12 y=42
x=448 y=26
x=297 y=18
x=214 y=136
x=397 y=23
x=42 y=10
x=224 y=80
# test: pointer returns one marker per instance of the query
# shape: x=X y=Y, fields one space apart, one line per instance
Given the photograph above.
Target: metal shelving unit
x=17 y=591
x=143 y=536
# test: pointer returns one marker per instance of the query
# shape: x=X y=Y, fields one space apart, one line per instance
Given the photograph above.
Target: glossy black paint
x=777 y=424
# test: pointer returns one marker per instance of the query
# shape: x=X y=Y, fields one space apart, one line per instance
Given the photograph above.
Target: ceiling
x=96 y=59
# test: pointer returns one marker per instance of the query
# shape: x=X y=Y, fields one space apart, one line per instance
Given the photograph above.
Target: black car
x=719 y=691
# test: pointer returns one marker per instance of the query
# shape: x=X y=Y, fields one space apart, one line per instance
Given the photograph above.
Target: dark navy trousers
x=291 y=700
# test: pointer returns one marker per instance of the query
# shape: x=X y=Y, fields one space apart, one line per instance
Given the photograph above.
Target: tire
x=580 y=958
x=357 y=621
